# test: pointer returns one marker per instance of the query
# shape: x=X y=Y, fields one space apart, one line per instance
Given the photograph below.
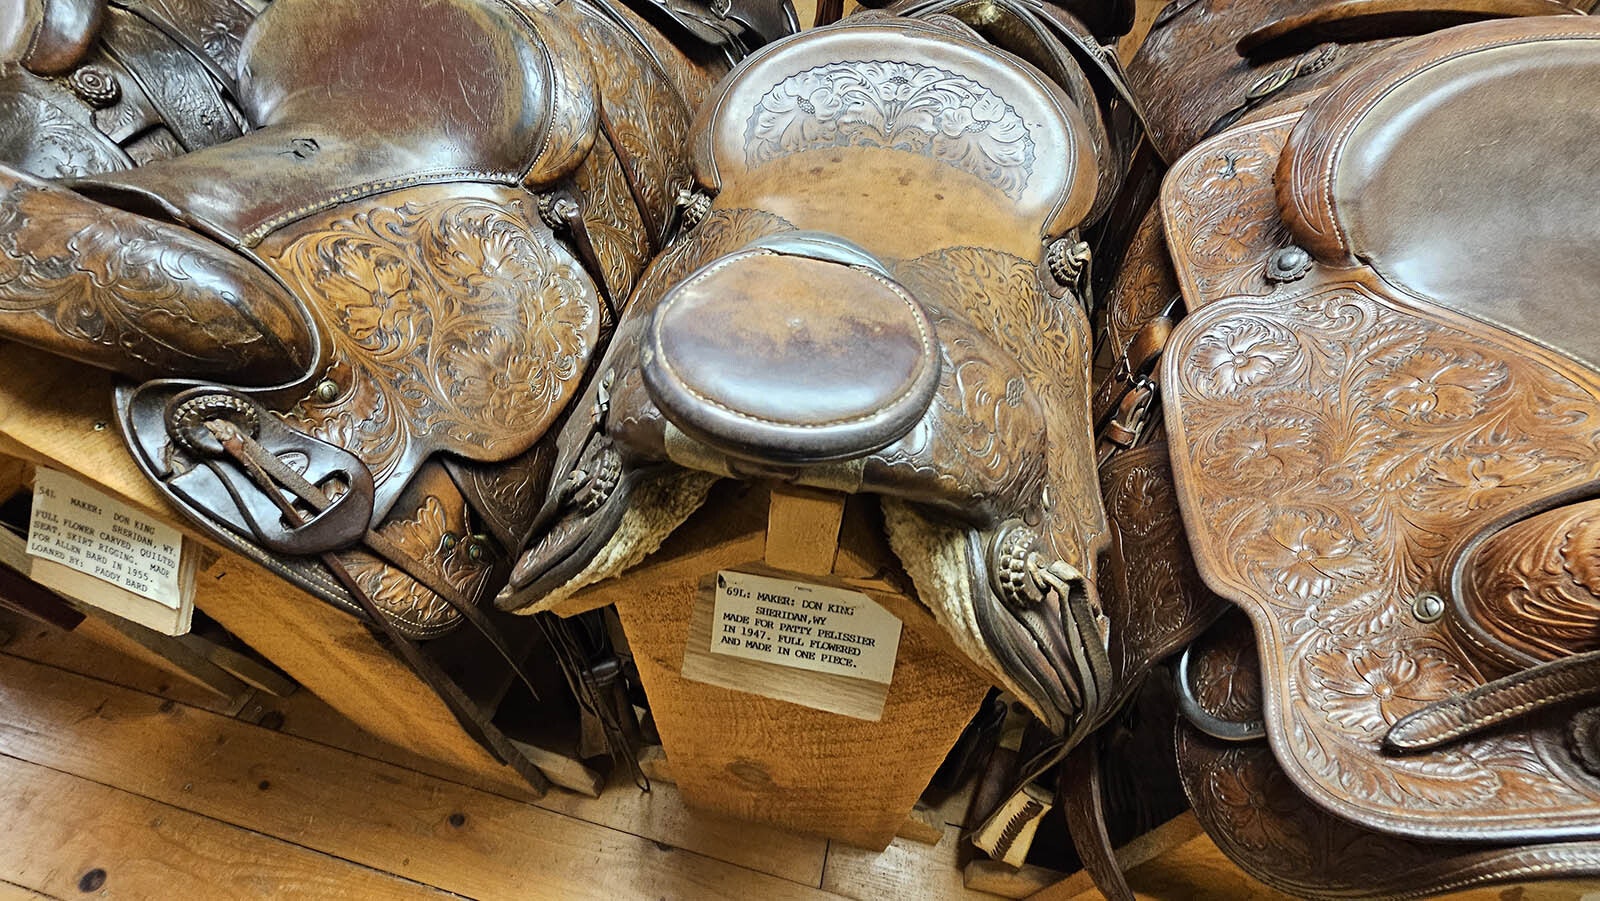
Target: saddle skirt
x=876 y=298
x=1382 y=412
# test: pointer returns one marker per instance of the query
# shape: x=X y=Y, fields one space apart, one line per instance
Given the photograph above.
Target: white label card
x=812 y=627
x=79 y=527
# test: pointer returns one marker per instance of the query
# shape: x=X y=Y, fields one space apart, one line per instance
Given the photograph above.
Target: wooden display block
x=816 y=753
x=57 y=413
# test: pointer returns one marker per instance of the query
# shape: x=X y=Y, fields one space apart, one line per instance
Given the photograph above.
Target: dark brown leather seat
x=845 y=362
x=483 y=93
x=1467 y=180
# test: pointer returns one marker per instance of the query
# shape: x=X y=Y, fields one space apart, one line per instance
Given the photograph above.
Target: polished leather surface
x=49 y=36
x=140 y=297
x=1528 y=588
x=843 y=369
x=1392 y=429
x=1500 y=210
x=939 y=176
x=984 y=143
x=1194 y=80
x=149 y=80
x=1379 y=513
x=343 y=115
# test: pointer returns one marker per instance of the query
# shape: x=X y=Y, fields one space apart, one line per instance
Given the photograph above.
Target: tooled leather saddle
x=1380 y=410
x=880 y=294
x=357 y=308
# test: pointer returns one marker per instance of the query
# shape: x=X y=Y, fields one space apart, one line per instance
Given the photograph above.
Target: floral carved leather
x=382 y=296
x=878 y=300
x=1259 y=818
x=1370 y=448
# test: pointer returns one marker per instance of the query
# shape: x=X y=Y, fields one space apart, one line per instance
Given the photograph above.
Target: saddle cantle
x=905 y=325
x=1381 y=410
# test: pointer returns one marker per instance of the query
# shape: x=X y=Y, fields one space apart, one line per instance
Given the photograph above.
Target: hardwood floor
x=109 y=788
x=120 y=780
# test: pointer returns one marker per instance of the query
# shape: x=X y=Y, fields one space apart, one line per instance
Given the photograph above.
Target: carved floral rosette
x=1332 y=449
x=913 y=107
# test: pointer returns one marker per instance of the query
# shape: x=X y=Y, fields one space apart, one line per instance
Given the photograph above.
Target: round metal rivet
x=1288 y=264
x=1427 y=607
x=327 y=391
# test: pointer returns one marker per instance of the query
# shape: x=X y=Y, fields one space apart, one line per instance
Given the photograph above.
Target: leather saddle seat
x=847 y=365
x=339 y=114
x=1383 y=410
x=385 y=293
x=869 y=304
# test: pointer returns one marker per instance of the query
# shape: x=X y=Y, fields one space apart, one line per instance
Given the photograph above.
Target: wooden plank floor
x=110 y=788
x=118 y=781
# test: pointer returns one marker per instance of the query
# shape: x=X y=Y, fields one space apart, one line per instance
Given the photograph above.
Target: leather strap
x=471 y=717
x=270 y=473
x=1509 y=698
x=1078 y=793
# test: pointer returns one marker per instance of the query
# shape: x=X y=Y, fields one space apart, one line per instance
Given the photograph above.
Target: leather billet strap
x=1080 y=797
x=1127 y=401
x=1554 y=683
x=467 y=712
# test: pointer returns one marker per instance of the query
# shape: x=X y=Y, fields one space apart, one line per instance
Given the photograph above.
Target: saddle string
x=1086 y=636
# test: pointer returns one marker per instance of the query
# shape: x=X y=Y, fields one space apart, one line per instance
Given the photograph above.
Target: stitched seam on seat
x=367 y=189
x=922 y=332
x=1355 y=120
x=1462 y=707
x=550 y=67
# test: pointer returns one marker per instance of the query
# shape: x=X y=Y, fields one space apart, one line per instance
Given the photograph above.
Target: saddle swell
x=923 y=271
